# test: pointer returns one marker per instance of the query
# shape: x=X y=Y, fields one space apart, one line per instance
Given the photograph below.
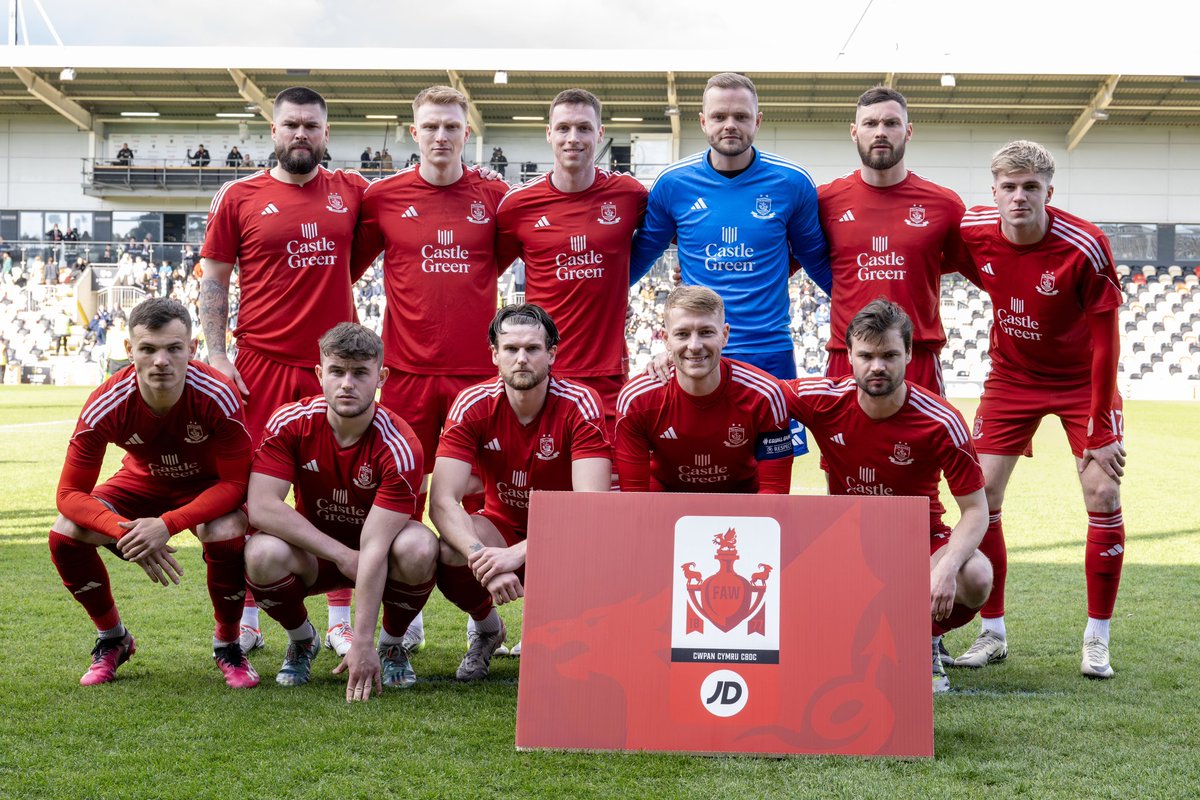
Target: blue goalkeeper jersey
x=737 y=236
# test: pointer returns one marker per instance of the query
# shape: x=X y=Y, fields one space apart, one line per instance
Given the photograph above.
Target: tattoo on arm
x=214 y=314
x=475 y=547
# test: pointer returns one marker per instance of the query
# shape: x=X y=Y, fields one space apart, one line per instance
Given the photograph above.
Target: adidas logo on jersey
x=669 y=433
x=839 y=438
x=135 y=439
x=270 y=209
x=847 y=217
x=410 y=212
x=311 y=466
x=987 y=268
x=542 y=223
x=494 y=444
x=699 y=205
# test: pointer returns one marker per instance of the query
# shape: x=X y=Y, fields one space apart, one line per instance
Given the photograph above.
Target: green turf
x=169 y=728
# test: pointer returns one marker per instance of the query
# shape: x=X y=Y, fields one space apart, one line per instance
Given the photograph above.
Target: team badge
x=365 y=478
x=546 y=451
x=608 y=214
x=737 y=436
x=195 y=434
x=335 y=204
x=762 y=207
x=901 y=454
x=977 y=431
x=916 y=217
x=478 y=213
x=1046 y=284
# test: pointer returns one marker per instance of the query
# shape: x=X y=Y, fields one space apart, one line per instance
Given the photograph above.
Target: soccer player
x=573 y=227
x=356 y=468
x=187 y=456
x=891 y=234
x=716 y=426
x=525 y=430
x=738 y=214
x=882 y=435
x=289 y=229
x=1054 y=348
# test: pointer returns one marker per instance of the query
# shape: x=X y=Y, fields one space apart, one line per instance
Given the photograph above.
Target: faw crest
x=335 y=204
x=916 y=217
x=478 y=214
x=608 y=214
x=726 y=598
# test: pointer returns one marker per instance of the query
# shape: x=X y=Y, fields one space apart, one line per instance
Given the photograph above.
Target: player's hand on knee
x=161 y=566
x=1110 y=458
x=142 y=536
x=505 y=588
x=943 y=587
x=490 y=562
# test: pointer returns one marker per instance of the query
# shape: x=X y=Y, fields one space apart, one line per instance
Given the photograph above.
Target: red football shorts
x=271 y=384
x=924 y=370
x=134 y=497
x=1012 y=408
x=424 y=401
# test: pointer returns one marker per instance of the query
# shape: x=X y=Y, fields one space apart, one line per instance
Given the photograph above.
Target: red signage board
x=727 y=624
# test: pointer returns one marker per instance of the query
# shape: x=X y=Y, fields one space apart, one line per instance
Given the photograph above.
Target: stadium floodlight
x=528 y=119
x=500 y=77
x=235 y=115
x=626 y=119
x=139 y=113
x=948 y=81
x=68 y=74
x=381 y=116
x=251 y=108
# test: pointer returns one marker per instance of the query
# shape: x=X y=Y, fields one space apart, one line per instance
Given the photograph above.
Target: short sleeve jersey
x=902 y=455
x=181 y=446
x=292 y=245
x=1041 y=294
x=894 y=242
x=576 y=252
x=439 y=269
x=336 y=486
x=515 y=459
x=701 y=444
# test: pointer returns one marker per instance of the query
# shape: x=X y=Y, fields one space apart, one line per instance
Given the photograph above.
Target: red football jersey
x=200 y=445
x=668 y=440
x=514 y=459
x=576 y=253
x=1041 y=294
x=903 y=455
x=893 y=242
x=336 y=486
x=292 y=247
x=439 y=269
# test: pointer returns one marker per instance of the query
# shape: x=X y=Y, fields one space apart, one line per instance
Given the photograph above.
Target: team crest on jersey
x=1046 y=284
x=546 y=451
x=737 y=436
x=608 y=214
x=901 y=454
x=478 y=213
x=365 y=478
x=916 y=217
x=762 y=207
x=336 y=204
x=195 y=434
x=977 y=431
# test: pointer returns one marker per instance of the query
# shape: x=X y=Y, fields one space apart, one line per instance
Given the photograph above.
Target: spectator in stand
x=200 y=158
x=62 y=331
x=366 y=158
x=325 y=159
x=234 y=158
x=247 y=161
x=124 y=156
x=107 y=257
x=499 y=162
x=3 y=359
x=385 y=160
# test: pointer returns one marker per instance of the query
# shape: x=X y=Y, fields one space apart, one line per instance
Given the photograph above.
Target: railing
x=123 y=297
x=26 y=252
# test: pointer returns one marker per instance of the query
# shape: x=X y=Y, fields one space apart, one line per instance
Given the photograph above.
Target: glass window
x=1187 y=242
x=32 y=225
x=81 y=221
x=1132 y=242
x=197 y=224
x=136 y=224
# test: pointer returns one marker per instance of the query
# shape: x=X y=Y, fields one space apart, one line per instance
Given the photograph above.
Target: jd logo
x=724 y=693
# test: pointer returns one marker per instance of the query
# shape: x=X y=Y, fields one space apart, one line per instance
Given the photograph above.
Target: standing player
x=881 y=435
x=891 y=234
x=289 y=229
x=716 y=426
x=187 y=456
x=356 y=468
x=573 y=227
x=526 y=430
x=1054 y=348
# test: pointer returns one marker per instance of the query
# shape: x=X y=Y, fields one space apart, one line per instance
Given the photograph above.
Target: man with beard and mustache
x=881 y=435
x=289 y=229
x=891 y=234
x=525 y=430
x=741 y=217
x=356 y=468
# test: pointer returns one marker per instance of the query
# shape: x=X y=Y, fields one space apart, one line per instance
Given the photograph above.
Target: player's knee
x=229 y=526
x=65 y=527
x=414 y=554
x=1102 y=495
x=975 y=581
x=266 y=558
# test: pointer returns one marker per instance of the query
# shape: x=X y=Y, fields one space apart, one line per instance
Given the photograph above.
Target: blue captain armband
x=772 y=445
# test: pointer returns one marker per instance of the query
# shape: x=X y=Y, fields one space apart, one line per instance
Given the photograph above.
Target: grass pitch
x=169 y=727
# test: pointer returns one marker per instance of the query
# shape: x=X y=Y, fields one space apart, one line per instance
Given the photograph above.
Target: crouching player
x=716 y=425
x=881 y=435
x=356 y=468
x=526 y=430
x=182 y=427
